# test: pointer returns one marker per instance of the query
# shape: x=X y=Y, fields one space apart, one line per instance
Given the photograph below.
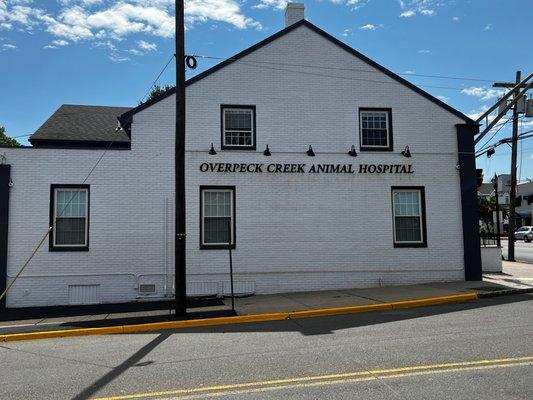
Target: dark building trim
x=469 y=201
x=390 y=147
x=218 y=246
x=422 y=190
x=5 y=178
x=254 y=130
x=79 y=144
x=126 y=118
x=51 y=246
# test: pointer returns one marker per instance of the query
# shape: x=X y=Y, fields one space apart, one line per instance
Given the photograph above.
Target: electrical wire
x=54 y=222
x=158 y=76
x=344 y=69
x=483 y=147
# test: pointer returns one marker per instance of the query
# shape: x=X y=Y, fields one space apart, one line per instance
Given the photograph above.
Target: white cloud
x=424 y=51
x=146 y=46
x=443 y=98
x=78 y=20
x=410 y=8
x=455 y=19
x=277 y=4
x=407 y=14
x=8 y=46
x=56 y=44
x=427 y=12
x=482 y=93
x=368 y=27
x=346 y=33
x=488 y=27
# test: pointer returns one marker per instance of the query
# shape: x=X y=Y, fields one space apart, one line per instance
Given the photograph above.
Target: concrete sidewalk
x=261 y=305
x=300 y=301
x=516 y=275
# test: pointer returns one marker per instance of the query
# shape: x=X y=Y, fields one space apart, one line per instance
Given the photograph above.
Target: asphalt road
x=523 y=251
x=481 y=350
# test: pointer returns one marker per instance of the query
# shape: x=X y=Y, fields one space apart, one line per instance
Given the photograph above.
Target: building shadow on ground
x=306 y=326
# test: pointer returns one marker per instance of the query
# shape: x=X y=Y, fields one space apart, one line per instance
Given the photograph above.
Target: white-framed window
x=69 y=217
x=217 y=218
x=408 y=211
x=375 y=129
x=238 y=127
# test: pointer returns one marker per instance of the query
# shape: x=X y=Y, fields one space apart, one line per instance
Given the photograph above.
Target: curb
x=279 y=316
x=507 y=292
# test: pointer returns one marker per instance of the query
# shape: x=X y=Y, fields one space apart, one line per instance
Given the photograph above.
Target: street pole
x=512 y=194
x=179 y=165
x=498 y=235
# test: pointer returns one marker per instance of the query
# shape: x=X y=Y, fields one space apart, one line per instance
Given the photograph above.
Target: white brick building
x=330 y=221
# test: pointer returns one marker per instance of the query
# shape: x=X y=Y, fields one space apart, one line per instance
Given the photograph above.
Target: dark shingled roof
x=76 y=124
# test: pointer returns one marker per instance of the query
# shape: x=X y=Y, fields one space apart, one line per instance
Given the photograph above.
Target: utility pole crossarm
x=517 y=96
x=514 y=87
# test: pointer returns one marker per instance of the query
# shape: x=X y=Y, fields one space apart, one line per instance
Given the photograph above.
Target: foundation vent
x=83 y=294
x=147 y=288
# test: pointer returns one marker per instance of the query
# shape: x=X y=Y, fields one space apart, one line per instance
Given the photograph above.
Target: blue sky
x=109 y=52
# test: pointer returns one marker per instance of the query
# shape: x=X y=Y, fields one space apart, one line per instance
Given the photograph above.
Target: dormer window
x=238 y=127
x=375 y=129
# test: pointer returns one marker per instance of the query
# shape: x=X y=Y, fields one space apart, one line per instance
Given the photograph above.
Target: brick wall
x=294 y=232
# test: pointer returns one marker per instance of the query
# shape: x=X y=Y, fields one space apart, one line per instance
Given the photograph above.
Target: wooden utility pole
x=179 y=222
x=514 y=145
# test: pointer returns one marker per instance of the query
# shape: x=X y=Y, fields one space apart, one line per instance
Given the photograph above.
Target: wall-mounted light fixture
x=406 y=152
x=212 y=151
x=267 y=152
x=310 y=152
x=352 y=151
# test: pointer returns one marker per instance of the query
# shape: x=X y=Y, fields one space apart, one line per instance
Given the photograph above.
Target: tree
x=157 y=91
x=6 y=140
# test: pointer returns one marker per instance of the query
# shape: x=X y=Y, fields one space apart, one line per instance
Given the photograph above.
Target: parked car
x=524 y=233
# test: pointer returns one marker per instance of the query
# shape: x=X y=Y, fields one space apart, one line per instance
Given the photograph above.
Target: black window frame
x=424 y=242
x=390 y=146
x=51 y=245
x=204 y=246
x=252 y=147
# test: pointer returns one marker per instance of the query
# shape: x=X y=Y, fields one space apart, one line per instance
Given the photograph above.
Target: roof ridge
x=125 y=118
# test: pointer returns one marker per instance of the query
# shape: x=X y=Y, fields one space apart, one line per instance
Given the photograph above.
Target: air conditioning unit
x=147 y=288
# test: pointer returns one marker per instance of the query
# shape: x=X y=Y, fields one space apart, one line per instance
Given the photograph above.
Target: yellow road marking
x=336 y=378
x=342 y=381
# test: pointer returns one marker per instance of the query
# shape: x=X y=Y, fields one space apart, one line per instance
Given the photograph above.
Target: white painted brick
x=294 y=233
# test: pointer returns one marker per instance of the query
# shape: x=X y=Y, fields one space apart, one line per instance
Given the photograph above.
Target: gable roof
x=486 y=189
x=73 y=125
x=125 y=119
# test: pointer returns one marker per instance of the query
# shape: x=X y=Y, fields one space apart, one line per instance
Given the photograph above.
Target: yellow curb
x=339 y=310
x=434 y=300
x=156 y=326
x=61 y=333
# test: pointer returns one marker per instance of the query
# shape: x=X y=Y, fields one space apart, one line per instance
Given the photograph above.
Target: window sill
x=247 y=148
x=216 y=247
x=415 y=245
x=375 y=149
x=74 y=248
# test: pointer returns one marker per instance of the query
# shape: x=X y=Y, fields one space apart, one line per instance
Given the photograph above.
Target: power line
x=158 y=76
x=344 y=69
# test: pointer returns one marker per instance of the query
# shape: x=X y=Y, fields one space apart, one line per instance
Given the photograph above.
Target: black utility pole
x=512 y=194
x=179 y=223
x=498 y=234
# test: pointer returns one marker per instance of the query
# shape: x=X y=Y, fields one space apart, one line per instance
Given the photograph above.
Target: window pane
x=238 y=119
x=408 y=229
x=71 y=203
x=374 y=131
x=216 y=230
x=70 y=231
